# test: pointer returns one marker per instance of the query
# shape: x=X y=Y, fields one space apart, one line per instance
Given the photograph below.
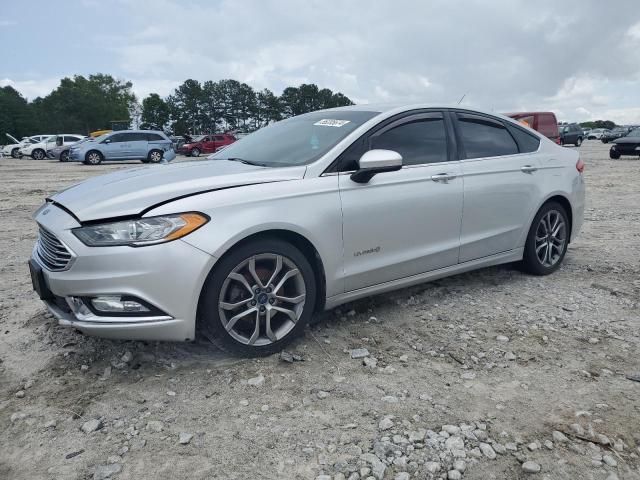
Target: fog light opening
x=117 y=304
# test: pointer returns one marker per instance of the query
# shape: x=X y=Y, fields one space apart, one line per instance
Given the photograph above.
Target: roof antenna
x=461 y=98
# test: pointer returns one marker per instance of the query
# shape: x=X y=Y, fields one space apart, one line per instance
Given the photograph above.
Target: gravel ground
x=487 y=375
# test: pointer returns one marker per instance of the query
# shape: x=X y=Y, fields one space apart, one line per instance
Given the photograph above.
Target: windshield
x=634 y=133
x=296 y=141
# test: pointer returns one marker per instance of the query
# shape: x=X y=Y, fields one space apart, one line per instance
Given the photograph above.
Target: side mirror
x=374 y=162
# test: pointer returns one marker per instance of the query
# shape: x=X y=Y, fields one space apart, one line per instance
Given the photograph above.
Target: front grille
x=52 y=253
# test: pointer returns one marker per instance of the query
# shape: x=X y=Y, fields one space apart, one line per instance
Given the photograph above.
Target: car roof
x=393 y=108
x=137 y=131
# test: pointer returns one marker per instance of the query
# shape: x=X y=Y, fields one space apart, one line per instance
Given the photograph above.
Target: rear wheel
x=578 y=141
x=38 y=154
x=155 y=156
x=258 y=298
x=195 y=152
x=547 y=241
x=93 y=158
x=614 y=155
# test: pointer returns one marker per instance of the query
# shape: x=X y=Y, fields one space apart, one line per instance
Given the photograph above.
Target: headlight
x=141 y=231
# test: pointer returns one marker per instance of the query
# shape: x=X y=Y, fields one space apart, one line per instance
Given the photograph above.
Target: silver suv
x=146 y=145
x=304 y=215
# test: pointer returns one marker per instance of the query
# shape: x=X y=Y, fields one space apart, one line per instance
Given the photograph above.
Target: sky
x=578 y=58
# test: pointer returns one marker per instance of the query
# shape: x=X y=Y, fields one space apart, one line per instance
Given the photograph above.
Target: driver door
x=406 y=222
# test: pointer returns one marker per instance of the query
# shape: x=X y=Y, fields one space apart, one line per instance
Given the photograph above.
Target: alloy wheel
x=262 y=299
x=195 y=152
x=38 y=154
x=94 y=158
x=551 y=238
x=155 y=156
x=64 y=156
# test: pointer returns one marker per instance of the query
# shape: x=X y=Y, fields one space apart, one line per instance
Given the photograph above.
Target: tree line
x=85 y=104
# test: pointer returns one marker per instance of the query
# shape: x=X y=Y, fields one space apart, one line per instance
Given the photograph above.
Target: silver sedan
x=300 y=216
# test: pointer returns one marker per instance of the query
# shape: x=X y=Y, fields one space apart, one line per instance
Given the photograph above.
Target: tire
x=540 y=240
x=64 y=156
x=195 y=152
x=15 y=153
x=155 y=156
x=613 y=155
x=604 y=140
x=578 y=141
x=220 y=288
x=38 y=154
x=93 y=157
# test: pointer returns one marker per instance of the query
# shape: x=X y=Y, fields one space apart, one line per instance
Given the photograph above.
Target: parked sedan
x=597 y=133
x=304 y=215
x=627 y=145
x=617 y=132
x=146 y=145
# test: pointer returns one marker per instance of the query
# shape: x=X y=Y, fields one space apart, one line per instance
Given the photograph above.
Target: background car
x=596 y=133
x=544 y=122
x=571 y=134
x=38 y=151
x=617 y=132
x=13 y=149
x=206 y=144
x=60 y=151
x=627 y=145
x=145 y=145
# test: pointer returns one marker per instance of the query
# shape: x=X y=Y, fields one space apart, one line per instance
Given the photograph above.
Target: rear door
x=406 y=222
x=138 y=145
x=500 y=169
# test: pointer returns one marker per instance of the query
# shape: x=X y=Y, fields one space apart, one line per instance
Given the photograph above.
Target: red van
x=544 y=122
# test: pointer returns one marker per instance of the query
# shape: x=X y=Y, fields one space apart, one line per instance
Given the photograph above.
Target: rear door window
x=154 y=137
x=483 y=137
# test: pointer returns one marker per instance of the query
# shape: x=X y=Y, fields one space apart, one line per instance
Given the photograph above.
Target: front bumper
x=167 y=276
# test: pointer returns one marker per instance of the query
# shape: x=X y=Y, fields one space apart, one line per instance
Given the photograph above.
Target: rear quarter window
x=527 y=142
x=483 y=137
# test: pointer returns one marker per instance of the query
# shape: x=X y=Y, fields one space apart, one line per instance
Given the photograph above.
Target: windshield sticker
x=332 y=123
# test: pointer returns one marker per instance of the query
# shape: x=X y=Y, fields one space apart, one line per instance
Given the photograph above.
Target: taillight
x=580 y=165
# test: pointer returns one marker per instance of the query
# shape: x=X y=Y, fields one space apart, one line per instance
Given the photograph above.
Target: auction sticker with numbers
x=332 y=123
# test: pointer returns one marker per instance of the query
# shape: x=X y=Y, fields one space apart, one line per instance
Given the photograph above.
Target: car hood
x=627 y=140
x=133 y=191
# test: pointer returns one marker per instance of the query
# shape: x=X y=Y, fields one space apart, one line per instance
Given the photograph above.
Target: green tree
x=308 y=98
x=155 y=113
x=186 y=107
x=16 y=117
x=83 y=105
x=268 y=109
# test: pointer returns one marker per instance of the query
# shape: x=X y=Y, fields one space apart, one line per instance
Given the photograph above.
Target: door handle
x=528 y=168
x=443 y=177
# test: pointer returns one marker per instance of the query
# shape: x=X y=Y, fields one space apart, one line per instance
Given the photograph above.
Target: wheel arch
x=563 y=200
x=298 y=240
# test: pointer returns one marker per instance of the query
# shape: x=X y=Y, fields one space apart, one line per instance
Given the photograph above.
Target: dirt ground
x=492 y=358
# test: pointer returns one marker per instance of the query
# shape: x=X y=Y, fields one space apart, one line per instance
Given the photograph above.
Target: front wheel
x=15 y=153
x=604 y=140
x=613 y=155
x=93 y=158
x=64 y=156
x=547 y=241
x=258 y=298
x=195 y=152
x=38 y=154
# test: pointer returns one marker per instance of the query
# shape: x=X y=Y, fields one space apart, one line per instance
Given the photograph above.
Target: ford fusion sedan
x=300 y=216
x=149 y=146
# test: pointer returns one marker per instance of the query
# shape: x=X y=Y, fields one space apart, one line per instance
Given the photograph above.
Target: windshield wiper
x=246 y=162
